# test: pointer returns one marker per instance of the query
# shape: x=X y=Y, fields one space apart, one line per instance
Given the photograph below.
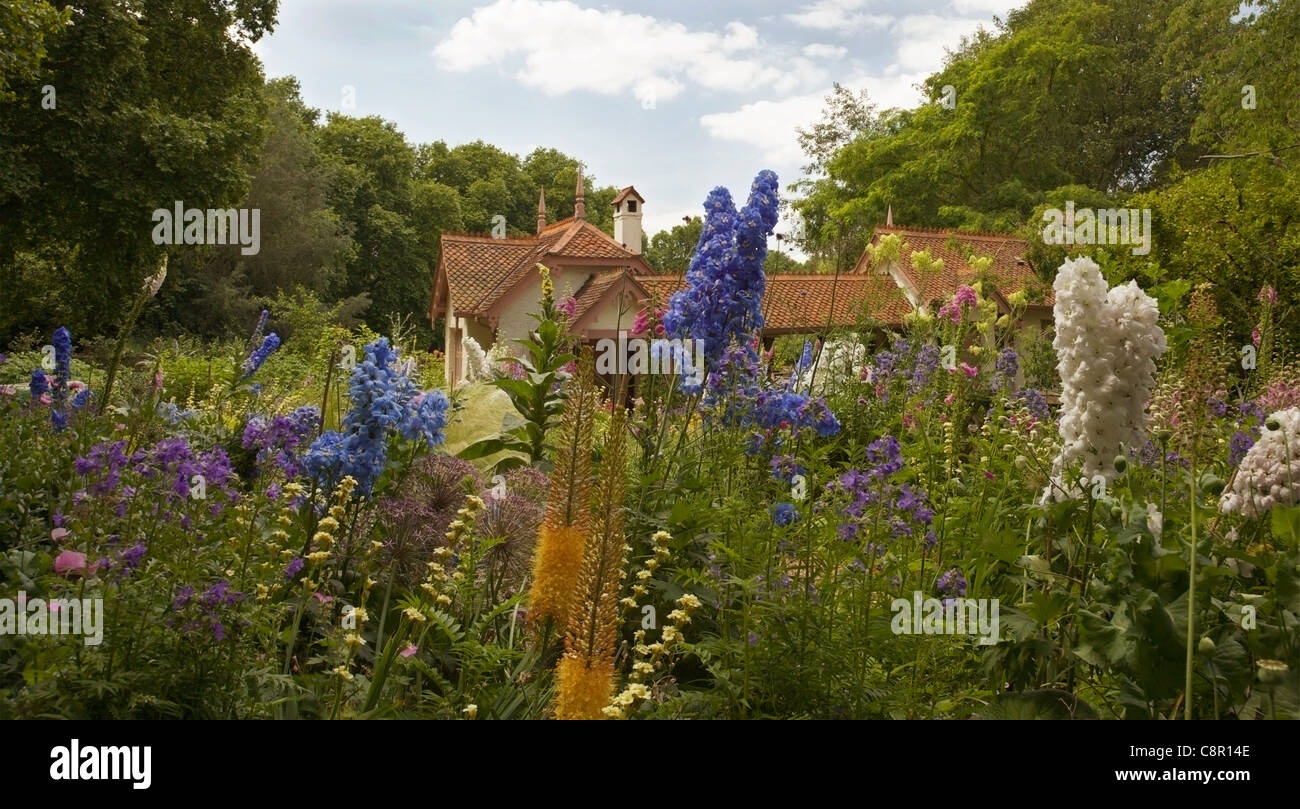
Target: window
x=631 y=206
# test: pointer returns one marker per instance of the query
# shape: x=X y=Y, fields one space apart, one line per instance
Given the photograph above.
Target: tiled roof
x=480 y=270
x=802 y=302
x=1009 y=272
x=476 y=266
x=624 y=194
x=595 y=287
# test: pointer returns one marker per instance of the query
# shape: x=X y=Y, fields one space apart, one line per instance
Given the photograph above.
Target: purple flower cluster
x=1035 y=403
x=785 y=468
x=383 y=401
x=722 y=302
x=951 y=585
x=280 y=438
x=208 y=609
x=735 y=388
x=876 y=500
x=1005 y=369
x=171 y=461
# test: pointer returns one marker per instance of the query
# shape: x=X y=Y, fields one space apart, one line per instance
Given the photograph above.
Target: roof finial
x=579 y=204
x=889 y=217
x=541 y=212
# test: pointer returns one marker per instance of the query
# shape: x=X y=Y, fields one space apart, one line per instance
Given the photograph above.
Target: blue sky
x=673 y=96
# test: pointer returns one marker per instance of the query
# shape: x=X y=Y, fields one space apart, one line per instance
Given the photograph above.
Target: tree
x=670 y=251
x=158 y=101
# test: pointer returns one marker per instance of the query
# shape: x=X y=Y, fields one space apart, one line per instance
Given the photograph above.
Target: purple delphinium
x=281 y=438
x=1238 y=446
x=294 y=567
x=874 y=499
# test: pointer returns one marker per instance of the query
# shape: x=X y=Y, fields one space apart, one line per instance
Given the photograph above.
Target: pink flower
x=969 y=370
x=950 y=311
x=1268 y=294
x=409 y=650
x=59 y=534
x=642 y=323
x=45 y=399
x=158 y=381
x=70 y=562
x=568 y=307
x=989 y=475
x=965 y=296
x=1254 y=337
x=322 y=598
x=947 y=399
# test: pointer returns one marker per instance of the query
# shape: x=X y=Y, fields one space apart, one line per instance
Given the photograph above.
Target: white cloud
x=770 y=125
x=565 y=47
x=818 y=50
x=843 y=16
x=990 y=7
x=922 y=39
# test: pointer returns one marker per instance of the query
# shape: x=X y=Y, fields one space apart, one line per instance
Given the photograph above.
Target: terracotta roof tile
x=802 y=302
x=624 y=194
x=1008 y=273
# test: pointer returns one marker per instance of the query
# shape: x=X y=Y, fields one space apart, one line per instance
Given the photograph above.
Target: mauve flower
x=59 y=534
x=409 y=650
x=969 y=370
x=70 y=562
x=568 y=307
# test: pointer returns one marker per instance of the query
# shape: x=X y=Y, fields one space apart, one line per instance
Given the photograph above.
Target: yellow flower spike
x=322 y=538
x=329 y=524
x=360 y=614
x=342 y=671
x=443 y=600
x=414 y=615
x=318 y=557
x=352 y=640
x=583 y=692
x=562 y=537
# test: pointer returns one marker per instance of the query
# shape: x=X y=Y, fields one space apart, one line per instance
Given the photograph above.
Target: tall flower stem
x=1191 y=600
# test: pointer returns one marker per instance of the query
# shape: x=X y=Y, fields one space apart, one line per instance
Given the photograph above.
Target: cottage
x=486 y=287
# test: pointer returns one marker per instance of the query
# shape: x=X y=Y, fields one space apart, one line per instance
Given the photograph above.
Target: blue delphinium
x=785 y=514
x=383 y=401
x=259 y=355
x=39 y=384
x=723 y=300
x=62 y=373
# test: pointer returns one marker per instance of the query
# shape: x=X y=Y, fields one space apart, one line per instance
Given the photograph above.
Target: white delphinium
x=838 y=358
x=1269 y=474
x=478 y=368
x=1107 y=343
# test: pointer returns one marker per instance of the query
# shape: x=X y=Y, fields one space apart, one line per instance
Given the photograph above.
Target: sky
x=672 y=96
